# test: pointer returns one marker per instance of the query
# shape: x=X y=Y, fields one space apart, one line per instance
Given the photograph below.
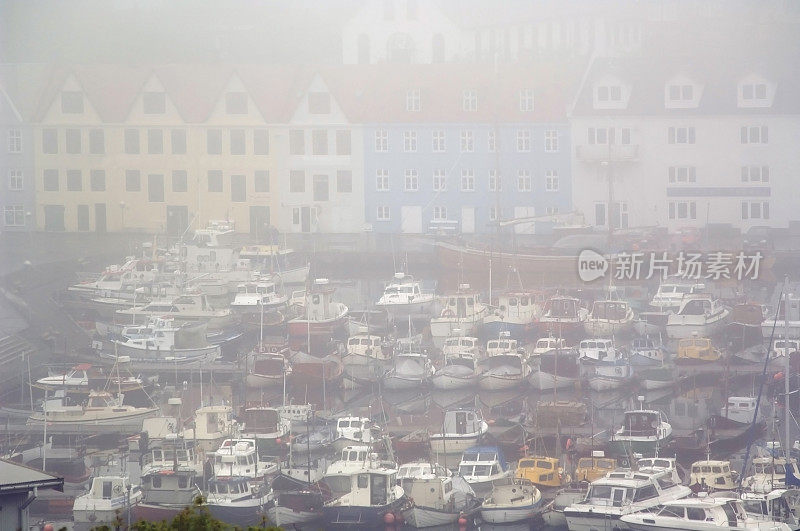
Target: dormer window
x=236 y=103
x=754 y=91
x=72 y=102
x=412 y=100
x=470 y=100
x=681 y=93
x=526 y=100
x=611 y=93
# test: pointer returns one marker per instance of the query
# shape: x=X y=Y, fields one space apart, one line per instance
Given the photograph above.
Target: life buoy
x=448 y=313
x=117 y=489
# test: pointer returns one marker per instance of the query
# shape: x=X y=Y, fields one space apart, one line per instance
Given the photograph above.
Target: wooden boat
x=643 y=431
x=109 y=498
x=461 y=429
x=609 y=318
x=542 y=471
x=462 y=314
x=438 y=497
x=322 y=318
x=511 y=501
x=697 y=351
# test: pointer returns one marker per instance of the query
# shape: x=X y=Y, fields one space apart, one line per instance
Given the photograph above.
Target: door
x=100 y=217
x=411 y=219
x=468 y=220
x=259 y=221
x=54 y=218
x=305 y=219
x=83 y=218
x=177 y=220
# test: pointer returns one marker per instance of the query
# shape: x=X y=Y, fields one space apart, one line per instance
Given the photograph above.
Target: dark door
x=177 y=220
x=305 y=219
x=54 y=218
x=259 y=221
x=100 y=217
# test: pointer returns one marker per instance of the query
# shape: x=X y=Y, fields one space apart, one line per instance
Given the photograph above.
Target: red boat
x=321 y=318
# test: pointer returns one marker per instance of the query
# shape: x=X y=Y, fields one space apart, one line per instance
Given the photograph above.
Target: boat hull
x=447 y=381
x=396 y=383
x=338 y=516
x=545 y=380
x=507 y=515
x=589 y=522
x=494 y=327
x=606 y=383
x=398 y=310
x=420 y=517
x=285 y=516
x=607 y=328
x=683 y=327
x=250 y=513
x=452 y=444
x=497 y=382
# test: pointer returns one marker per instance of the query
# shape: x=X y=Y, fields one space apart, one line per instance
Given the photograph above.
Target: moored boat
x=511 y=501
x=461 y=429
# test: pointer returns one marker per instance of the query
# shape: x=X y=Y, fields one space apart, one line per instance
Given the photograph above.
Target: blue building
x=449 y=149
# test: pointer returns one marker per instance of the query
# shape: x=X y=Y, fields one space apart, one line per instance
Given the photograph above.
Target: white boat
x=609 y=376
x=481 y=465
x=438 y=497
x=502 y=345
x=321 y=317
x=515 y=313
x=699 y=514
x=598 y=350
x=352 y=430
x=114 y=278
x=769 y=473
x=101 y=408
x=191 y=307
x=411 y=370
x=779 y=505
x=77 y=380
x=503 y=371
x=404 y=297
x=609 y=318
x=462 y=314
x=260 y=294
x=741 y=410
x=367 y=358
x=620 y=493
x=458 y=372
x=545 y=345
x=671 y=292
x=643 y=431
x=698 y=315
x=647 y=351
x=267 y=369
x=562 y=316
x=236 y=501
x=712 y=475
x=557 y=369
x=778 y=319
x=511 y=501
x=461 y=429
x=457 y=344
x=239 y=458
x=208 y=428
x=109 y=498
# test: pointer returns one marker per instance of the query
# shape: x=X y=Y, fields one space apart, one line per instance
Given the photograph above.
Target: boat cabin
x=358 y=429
x=671 y=294
x=740 y=409
x=598 y=350
x=696 y=305
x=463 y=422
x=697 y=348
x=775 y=505
x=711 y=475
x=609 y=310
x=460 y=344
x=402 y=288
x=111 y=487
x=236 y=457
x=782 y=346
x=211 y=422
x=372 y=487
x=365 y=345
x=643 y=423
x=561 y=308
x=461 y=305
x=428 y=485
x=228 y=487
x=482 y=463
x=546 y=344
x=595 y=467
x=541 y=471
x=519 y=305
x=505 y=345
x=623 y=487
x=168 y=486
x=319 y=304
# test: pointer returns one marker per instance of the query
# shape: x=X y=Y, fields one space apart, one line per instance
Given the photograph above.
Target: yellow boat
x=595 y=467
x=542 y=471
x=697 y=350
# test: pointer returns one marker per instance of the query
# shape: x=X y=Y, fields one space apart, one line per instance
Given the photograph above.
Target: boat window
x=716 y=469
x=663 y=463
x=754 y=506
x=495 y=470
x=362 y=456
x=618 y=495
x=720 y=480
x=156 y=482
x=666 y=483
x=530 y=463
x=695 y=513
x=544 y=464
x=605 y=463
x=599 y=492
x=672 y=512
x=106 y=490
x=645 y=493
x=183 y=481
x=241 y=460
x=344 y=423
x=482 y=470
x=465 y=470
x=726 y=469
x=363 y=481
x=512 y=301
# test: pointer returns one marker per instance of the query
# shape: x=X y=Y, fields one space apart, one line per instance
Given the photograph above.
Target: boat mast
x=786 y=370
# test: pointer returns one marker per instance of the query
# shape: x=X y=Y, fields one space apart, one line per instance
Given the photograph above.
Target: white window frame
x=523 y=141
x=439 y=180
x=383 y=213
x=439 y=213
x=526 y=100
x=381 y=180
x=682 y=174
x=469 y=100
x=754 y=90
x=410 y=141
x=495 y=181
x=381 y=141
x=681 y=89
x=467 y=180
x=467 y=141
x=551 y=141
x=551 y=181
x=15 y=141
x=413 y=100
x=551 y=210
x=439 y=144
x=754 y=134
x=17 y=213
x=492 y=213
x=16 y=180
x=411 y=180
x=675 y=209
x=491 y=142
x=682 y=135
x=749 y=210
x=755 y=173
x=524 y=181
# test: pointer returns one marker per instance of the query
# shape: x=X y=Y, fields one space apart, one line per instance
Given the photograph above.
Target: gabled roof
x=15 y=478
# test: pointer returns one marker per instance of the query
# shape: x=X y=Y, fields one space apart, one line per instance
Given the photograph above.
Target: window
x=754 y=91
x=491 y=142
x=493 y=213
x=696 y=513
x=382 y=213
x=155 y=188
x=439 y=181
x=155 y=141
x=412 y=100
x=682 y=210
x=178 y=141
x=467 y=142
x=97 y=141
x=132 y=181
x=179 y=181
x=71 y=102
x=524 y=183
x=599 y=213
x=439 y=213
x=382 y=140
x=73 y=141
x=754 y=134
x=14 y=141
x=215 y=181
x=382 y=180
x=344 y=182
x=412 y=181
x=467 y=181
x=297 y=142
x=757 y=174
x=74 y=181
x=523 y=140
x=680 y=135
x=551 y=140
x=83 y=218
x=343 y=142
x=438 y=142
x=154 y=103
x=551 y=210
x=319 y=103
x=319 y=141
x=495 y=181
x=260 y=142
x=49 y=141
x=755 y=210
x=321 y=189
x=132 y=141
x=681 y=92
x=214 y=142
x=14 y=216
x=238 y=142
x=470 y=100
x=297 y=181
x=15 y=180
x=409 y=141
x=261 y=181
x=682 y=174
x=611 y=93
x=526 y=100
x=238 y=189
x=551 y=181
x=97 y=180
x=236 y=103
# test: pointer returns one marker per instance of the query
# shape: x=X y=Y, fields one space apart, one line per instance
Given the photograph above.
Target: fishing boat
x=592 y=351
x=647 y=351
x=643 y=431
x=697 y=351
x=481 y=465
x=545 y=345
x=236 y=501
x=367 y=358
x=267 y=369
x=711 y=475
x=770 y=473
x=209 y=426
x=542 y=471
x=609 y=318
x=620 y=493
x=741 y=411
x=698 y=315
x=101 y=408
x=556 y=369
x=322 y=318
x=188 y=308
x=512 y=500
x=781 y=320
x=461 y=429
x=411 y=370
x=404 y=297
x=515 y=313
x=169 y=478
x=352 y=430
x=463 y=314
x=699 y=514
x=437 y=496
x=269 y=429
x=503 y=371
x=595 y=467
x=81 y=378
x=109 y=498
x=239 y=458
x=562 y=316
x=458 y=372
